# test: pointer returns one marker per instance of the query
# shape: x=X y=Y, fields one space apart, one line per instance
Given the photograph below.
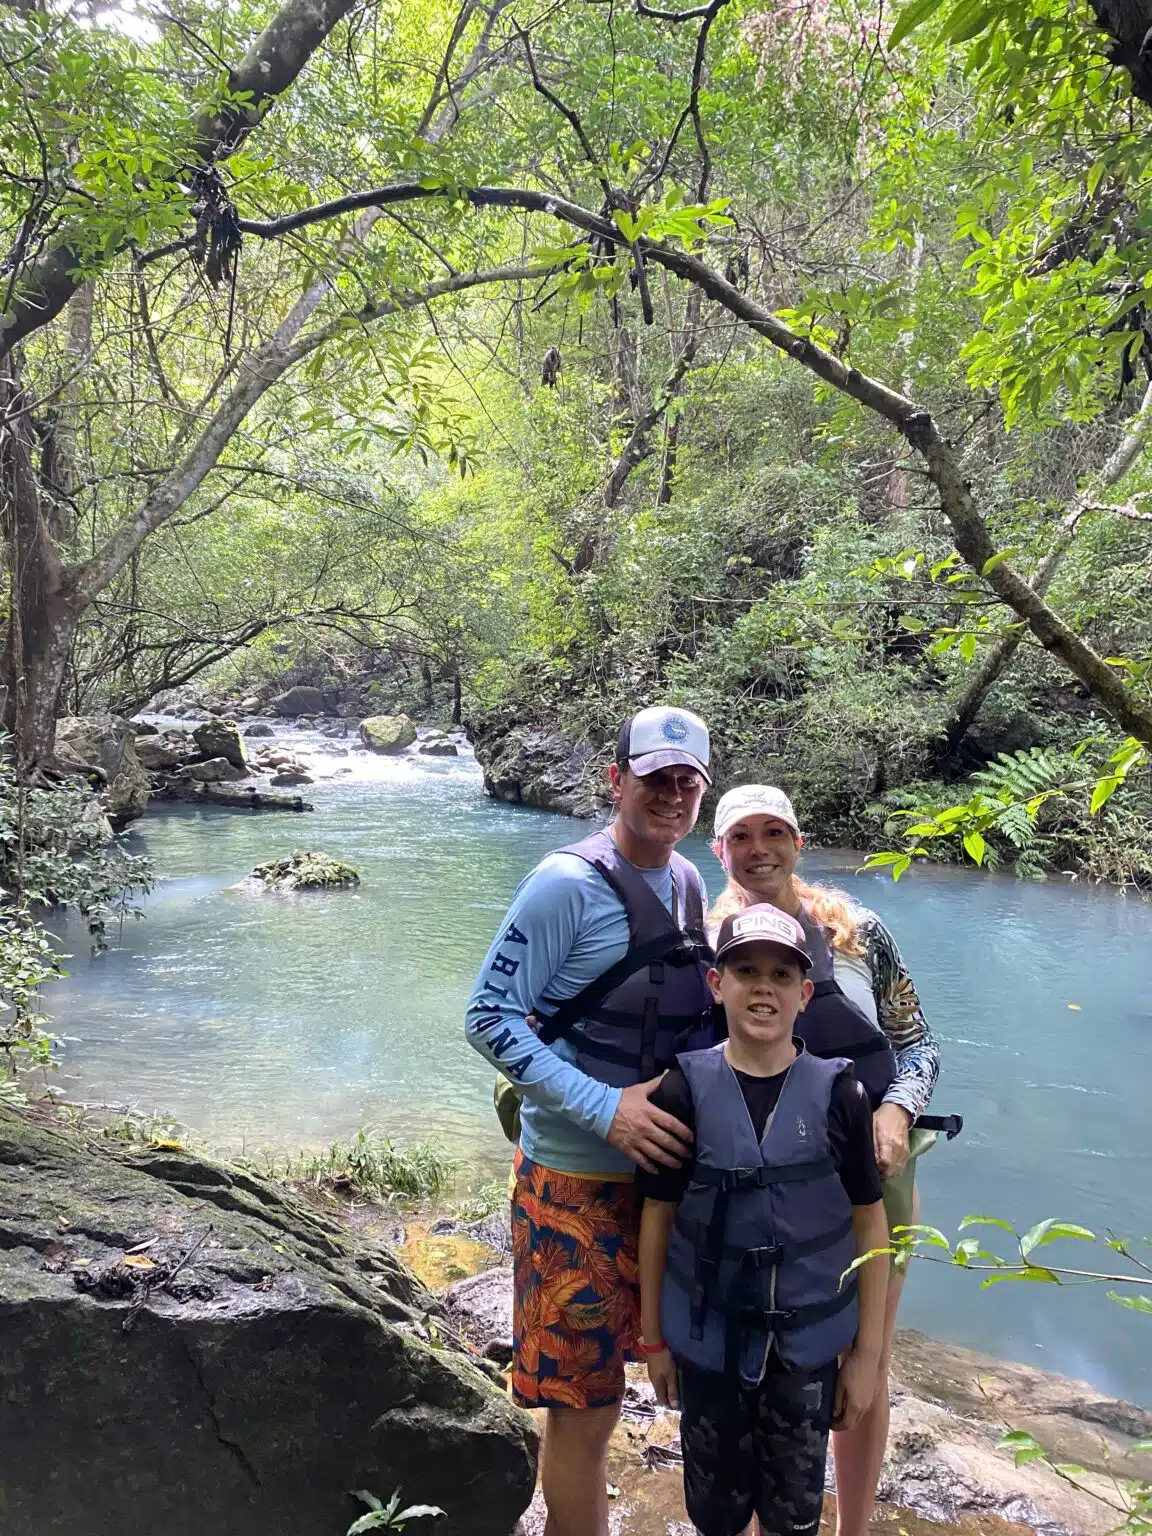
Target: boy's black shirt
x=849 y=1132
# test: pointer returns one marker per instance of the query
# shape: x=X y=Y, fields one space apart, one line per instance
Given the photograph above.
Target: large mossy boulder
x=103 y=748
x=304 y=871
x=221 y=738
x=187 y=1348
x=387 y=733
x=534 y=764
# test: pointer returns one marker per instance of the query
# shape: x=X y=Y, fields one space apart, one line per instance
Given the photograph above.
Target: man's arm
x=655 y=1226
x=535 y=939
x=859 y=1373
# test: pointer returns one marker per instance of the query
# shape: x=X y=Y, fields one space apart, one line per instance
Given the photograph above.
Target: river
x=287 y=1021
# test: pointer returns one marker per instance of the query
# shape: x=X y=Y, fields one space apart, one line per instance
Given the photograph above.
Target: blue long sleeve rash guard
x=564 y=928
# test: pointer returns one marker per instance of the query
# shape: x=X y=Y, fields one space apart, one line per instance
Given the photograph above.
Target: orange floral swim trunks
x=576 y=1306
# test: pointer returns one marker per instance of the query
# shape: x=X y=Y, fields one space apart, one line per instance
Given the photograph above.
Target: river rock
x=300 y=700
x=532 y=765
x=161 y=754
x=387 y=733
x=220 y=738
x=288 y=776
x=250 y=704
x=285 y=1364
x=304 y=871
x=438 y=744
x=259 y=728
x=104 y=746
x=143 y=728
x=217 y=770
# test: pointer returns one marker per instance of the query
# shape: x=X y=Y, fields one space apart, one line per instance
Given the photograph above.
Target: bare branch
x=255 y=376
x=566 y=112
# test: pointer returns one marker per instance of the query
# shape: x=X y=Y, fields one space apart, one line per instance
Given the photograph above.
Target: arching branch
x=271 y=65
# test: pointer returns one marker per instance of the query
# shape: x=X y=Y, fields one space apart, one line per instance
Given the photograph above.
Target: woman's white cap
x=753 y=800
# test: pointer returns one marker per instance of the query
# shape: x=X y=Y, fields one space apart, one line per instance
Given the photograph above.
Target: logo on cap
x=770 y=924
x=675 y=729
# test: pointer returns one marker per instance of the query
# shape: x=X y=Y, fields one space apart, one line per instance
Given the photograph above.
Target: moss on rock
x=305 y=871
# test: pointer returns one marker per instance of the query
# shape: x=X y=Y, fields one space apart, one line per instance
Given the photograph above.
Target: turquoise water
x=286 y=1021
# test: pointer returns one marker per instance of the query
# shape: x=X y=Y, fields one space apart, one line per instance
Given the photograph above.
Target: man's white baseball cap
x=753 y=800
x=662 y=737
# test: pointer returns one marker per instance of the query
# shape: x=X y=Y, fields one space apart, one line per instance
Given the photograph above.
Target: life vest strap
x=572 y=1009
x=733 y=1180
x=697 y=1233
x=951 y=1125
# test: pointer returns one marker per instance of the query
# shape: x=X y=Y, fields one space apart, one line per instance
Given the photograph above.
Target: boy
x=743 y=1315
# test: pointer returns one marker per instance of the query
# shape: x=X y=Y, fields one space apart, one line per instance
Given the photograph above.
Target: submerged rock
x=285 y=777
x=220 y=738
x=387 y=733
x=104 y=747
x=187 y=1348
x=439 y=747
x=534 y=765
x=259 y=728
x=304 y=871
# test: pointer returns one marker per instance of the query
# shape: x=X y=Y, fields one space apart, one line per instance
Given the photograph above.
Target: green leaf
x=1048 y=1232
x=967 y=21
x=1033 y=1272
x=998 y=559
x=968 y=647
x=1022 y=1445
x=987 y=1221
x=930 y=1235
x=418 y=1512
x=912 y=16
x=974 y=846
x=1133 y=1303
x=1103 y=792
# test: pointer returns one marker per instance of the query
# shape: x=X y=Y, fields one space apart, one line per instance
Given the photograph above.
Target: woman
x=865 y=1006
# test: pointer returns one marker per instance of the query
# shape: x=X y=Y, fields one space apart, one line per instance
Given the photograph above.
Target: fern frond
x=1022 y=774
x=1016 y=825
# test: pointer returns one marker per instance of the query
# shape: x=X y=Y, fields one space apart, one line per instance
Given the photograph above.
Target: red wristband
x=651 y=1349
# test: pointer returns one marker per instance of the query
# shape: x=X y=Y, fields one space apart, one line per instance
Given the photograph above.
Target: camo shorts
x=758 y=1451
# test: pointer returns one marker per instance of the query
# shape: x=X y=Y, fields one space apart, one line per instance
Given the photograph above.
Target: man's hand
x=890 y=1126
x=855 y=1389
x=662 y=1375
x=649 y=1136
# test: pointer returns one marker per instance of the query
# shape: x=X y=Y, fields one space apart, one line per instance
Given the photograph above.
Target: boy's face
x=763 y=988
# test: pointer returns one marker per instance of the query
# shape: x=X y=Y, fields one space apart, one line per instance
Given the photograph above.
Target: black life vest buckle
x=765 y=1257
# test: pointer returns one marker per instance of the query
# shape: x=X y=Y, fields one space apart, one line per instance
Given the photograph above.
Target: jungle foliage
x=789 y=361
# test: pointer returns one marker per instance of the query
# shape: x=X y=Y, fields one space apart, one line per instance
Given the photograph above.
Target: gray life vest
x=832 y=1025
x=763 y=1233
x=631 y=1022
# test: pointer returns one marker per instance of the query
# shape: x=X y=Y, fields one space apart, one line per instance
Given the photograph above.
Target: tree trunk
x=457 y=700
x=42 y=609
x=1000 y=657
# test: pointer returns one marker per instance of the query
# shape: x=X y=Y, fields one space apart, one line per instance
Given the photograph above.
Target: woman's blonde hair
x=833 y=910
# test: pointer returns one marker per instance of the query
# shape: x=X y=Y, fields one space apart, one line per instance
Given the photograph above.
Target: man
x=603 y=944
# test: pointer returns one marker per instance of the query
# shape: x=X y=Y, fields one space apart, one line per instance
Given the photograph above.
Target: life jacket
x=631 y=1022
x=764 y=1232
x=832 y=1025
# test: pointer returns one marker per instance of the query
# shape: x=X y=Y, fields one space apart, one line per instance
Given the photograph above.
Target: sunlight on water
x=287 y=1021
